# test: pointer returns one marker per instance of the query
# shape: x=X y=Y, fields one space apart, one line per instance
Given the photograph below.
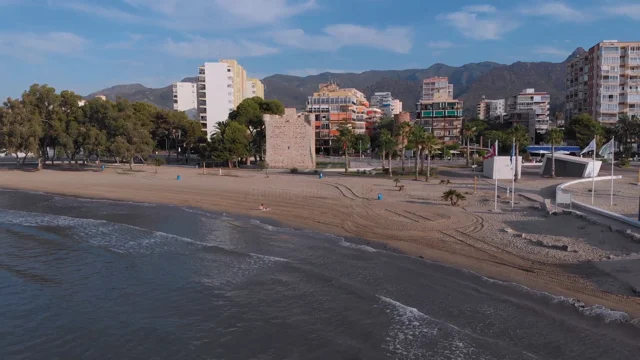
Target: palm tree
x=453 y=196
x=387 y=143
x=430 y=144
x=470 y=131
x=521 y=136
x=345 y=138
x=416 y=139
x=626 y=129
x=403 y=131
x=554 y=137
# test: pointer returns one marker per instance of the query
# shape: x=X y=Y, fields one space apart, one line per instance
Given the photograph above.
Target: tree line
x=50 y=126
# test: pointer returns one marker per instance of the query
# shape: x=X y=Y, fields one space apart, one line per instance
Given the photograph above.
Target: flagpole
x=593 y=169
x=613 y=158
x=495 y=162
x=515 y=170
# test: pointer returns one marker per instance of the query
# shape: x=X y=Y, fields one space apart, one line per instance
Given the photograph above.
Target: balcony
x=201 y=79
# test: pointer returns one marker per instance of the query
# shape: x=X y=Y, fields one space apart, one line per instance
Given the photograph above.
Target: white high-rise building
x=215 y=94
x=385 y=102
x=185 y=98
x=604 y=82
x=531 y=109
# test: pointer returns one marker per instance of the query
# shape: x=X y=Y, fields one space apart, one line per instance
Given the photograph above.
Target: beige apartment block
x=239 y=81
x=437 y=89
x=438 y=112
x=290 y=140
x=604 y=82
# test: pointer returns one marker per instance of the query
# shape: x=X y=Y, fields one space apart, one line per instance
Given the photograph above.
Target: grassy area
x=329 y=165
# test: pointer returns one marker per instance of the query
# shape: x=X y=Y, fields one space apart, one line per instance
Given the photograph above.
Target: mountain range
x=470 y=83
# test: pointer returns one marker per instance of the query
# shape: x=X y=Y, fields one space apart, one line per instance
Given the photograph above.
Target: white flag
x=590 y=147
x=607 y=149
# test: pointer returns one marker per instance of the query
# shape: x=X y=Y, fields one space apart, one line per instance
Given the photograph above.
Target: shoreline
x=333 y=207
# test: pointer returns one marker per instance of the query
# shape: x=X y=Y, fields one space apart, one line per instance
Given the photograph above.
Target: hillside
x=471 y=82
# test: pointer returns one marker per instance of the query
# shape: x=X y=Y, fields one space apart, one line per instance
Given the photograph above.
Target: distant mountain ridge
x=470 y=83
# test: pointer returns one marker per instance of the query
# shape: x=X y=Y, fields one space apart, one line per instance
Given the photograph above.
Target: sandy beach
x=523 y=245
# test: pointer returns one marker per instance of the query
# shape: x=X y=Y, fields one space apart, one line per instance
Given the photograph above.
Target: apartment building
x=253 y=87
x=490 y=109
x=437 y=89
x=216 y=94
x=220 y=88
x=239 y=80
x=531 y=107
x=385 y=102
x=332 y=106
x=185 y=98
x=604 y=82
x=438 y=112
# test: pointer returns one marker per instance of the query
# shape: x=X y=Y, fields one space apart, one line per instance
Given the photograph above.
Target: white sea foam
x=271 y=258
x=356 y=246
x=24 y=191
x=119 y=202
x=608 y=315
x=270 y=227
x=415 y=335
x=116 y=237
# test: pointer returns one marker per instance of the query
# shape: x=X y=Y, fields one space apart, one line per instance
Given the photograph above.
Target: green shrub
x=156 y=161
x=624 y=162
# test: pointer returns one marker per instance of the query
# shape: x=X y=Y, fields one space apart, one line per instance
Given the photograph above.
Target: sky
x=85 y=46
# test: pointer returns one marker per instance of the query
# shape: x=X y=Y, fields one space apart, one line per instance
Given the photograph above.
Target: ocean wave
x=24 y=191
x=606 y=314
x=366 y=248
x=118 y=202
x=272 y=258
x=415 y=335
x=270 y=227
x=121 y=238
x=341 y=240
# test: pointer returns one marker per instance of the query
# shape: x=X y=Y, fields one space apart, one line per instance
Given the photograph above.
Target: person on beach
x=263 y=208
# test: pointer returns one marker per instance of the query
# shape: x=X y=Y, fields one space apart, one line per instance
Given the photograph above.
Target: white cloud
x=108 y=13
x=201 y=48
x=479 y=25
x=125 y=44
x=314 y=71
x=34 y=46
x=557 y=10
x=629 y=10
x=441 y=44
x=199 y=14
x=395 y=39
x=480 y=8
x=550 y=50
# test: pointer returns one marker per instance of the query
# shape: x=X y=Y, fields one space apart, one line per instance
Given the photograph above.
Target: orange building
x=333 y=106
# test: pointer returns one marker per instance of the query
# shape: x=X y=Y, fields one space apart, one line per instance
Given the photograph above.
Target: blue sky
x=85 y=45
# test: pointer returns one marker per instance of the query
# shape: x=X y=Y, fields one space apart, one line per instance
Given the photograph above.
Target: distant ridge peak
x=577 y=52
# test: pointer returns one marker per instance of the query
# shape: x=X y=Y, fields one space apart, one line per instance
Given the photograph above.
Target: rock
x=421 y=257
x=507 y=230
